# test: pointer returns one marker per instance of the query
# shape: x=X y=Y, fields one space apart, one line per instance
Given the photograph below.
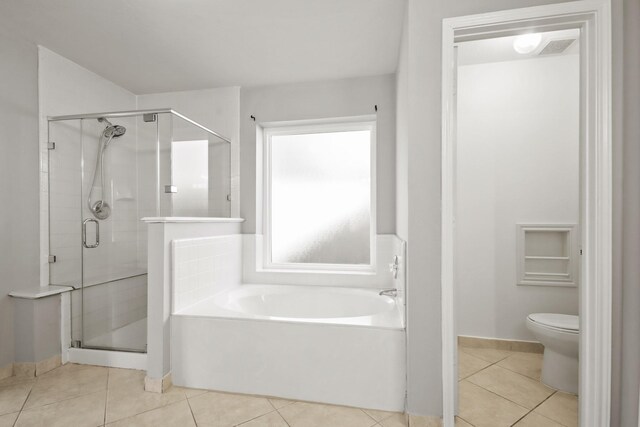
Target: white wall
x=424 y=154
x=518 y=156
x=626 y=310
x=317 y=100
x=67 y=88
x=19 y=209
x=402 y=137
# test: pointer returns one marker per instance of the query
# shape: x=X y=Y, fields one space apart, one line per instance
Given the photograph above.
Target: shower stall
x=106 y=172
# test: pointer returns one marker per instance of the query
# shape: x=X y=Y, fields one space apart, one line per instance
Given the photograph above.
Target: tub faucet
x=394 y=266
x=389 y=292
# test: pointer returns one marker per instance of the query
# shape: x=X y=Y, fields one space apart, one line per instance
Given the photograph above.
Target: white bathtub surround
x=161 y=233
x=387 y=245
x=204 y=267
x=261 y=339
x=304 y=304
x=330 y=331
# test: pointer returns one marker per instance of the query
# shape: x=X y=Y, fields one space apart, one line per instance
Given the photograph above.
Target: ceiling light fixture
x=527 y=43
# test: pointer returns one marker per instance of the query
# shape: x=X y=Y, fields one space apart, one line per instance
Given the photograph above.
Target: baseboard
x=158 y=385
x=24 y=369
x=47 y=365
x=6 y=371
x=423 y=421
x=500 y=344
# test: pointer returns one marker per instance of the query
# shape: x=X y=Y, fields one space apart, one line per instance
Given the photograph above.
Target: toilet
x=559 y=333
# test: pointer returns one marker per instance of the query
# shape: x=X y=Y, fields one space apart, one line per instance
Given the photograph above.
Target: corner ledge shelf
x=40 y=292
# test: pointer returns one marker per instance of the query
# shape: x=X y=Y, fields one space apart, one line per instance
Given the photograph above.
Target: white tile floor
x=82 y=395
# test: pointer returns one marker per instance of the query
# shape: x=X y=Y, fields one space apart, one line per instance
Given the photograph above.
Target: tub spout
x=389 y=292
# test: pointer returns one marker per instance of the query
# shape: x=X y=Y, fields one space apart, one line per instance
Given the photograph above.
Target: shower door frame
x=105 y=355
x=593 y=18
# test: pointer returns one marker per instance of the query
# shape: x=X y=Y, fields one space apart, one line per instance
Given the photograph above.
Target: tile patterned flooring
x=502 y=388
x=82 y=395
x=496 y=388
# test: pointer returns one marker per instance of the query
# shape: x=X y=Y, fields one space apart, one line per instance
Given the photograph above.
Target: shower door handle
x=84 y=233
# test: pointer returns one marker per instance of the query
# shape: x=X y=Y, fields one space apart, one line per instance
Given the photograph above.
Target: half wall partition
x=106 y=172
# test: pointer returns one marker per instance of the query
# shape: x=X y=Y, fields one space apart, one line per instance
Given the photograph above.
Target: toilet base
x=560 y=371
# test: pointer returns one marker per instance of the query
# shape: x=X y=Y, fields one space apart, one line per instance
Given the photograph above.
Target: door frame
x=593 y=18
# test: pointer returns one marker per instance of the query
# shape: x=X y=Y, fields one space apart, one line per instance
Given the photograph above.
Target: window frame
x=346 y=124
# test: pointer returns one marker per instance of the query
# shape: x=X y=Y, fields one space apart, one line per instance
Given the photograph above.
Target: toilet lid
x=559 y=321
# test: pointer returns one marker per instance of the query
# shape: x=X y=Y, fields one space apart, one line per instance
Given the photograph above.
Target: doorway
x=517 y=227
x=590 y=20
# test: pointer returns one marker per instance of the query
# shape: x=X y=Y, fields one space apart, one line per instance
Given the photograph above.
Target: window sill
x=371 y=272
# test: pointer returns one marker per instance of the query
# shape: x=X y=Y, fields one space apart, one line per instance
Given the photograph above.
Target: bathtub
x=334 y=345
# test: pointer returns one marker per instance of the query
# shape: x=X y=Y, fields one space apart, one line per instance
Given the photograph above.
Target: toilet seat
x=560 y=322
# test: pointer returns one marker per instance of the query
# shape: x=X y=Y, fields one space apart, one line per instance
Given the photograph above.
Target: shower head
x=112 y=131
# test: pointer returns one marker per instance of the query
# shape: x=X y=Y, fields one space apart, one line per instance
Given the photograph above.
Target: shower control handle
x=84 y=233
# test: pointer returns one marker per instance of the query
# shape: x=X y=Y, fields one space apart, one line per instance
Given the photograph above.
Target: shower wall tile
x=108 y=307
x=204 y=267
x=67 y=88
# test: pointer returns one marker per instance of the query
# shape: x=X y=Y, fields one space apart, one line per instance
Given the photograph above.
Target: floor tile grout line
x=535 y=379
x=106 y=399
x=554 y=391
x=517 y=373
x=502 y=397
x=488 y=366
x=191 y=410
x=58 y=401
x=472 y=425
x=521 y=418
x=369 y=415
x=271 y=403
x=488 y=361
x=164 y=405
x=282 y=416
x=23 y=403
x=549 y=418
x=510 y=370
x=506 y=398
x=148 y=410
x=255 y=418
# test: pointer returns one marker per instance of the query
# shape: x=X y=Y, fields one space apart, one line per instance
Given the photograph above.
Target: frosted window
x=321 y=198
x=190 y=170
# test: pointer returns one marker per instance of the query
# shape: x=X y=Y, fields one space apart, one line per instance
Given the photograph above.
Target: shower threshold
x=118 y=349
x=127 y=338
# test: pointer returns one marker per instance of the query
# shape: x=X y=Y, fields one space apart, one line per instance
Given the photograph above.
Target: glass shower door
x=115 y=195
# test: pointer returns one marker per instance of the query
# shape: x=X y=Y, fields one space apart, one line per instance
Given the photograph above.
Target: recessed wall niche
x=547 y=254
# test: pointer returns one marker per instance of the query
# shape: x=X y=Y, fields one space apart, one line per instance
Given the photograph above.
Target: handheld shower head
x=115 y=131
x=112 y=131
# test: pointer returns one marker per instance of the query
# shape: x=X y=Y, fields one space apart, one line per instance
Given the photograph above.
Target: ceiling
x=501 y=48
x=149 y=46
